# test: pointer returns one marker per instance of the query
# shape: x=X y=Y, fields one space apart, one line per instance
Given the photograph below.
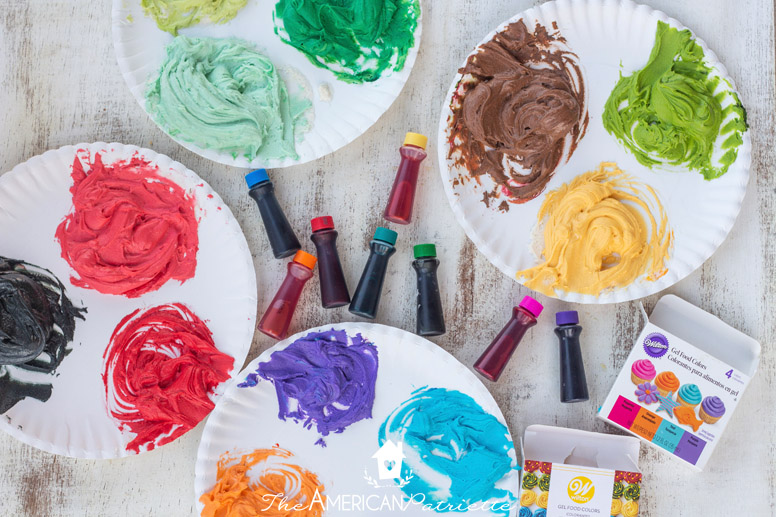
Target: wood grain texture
x=60 y=84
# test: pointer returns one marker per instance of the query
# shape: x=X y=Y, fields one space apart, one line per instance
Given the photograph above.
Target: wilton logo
x=656 y=345
x=581 y=489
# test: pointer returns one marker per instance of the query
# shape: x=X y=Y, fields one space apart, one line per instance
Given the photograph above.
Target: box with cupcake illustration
x=682 y=381
x=570 y=473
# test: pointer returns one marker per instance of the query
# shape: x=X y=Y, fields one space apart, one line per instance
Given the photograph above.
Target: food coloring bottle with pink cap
x=334 y=289
x=492 y=362
x=399 y=209
x=277 y=319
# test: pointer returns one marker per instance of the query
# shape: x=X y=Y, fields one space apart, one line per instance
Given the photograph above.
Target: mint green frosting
x=356 y=40
x=223 y=94
x=171 y=15
x=675 y=111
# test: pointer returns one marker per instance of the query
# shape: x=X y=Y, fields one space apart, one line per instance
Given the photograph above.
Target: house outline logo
x=389 y=459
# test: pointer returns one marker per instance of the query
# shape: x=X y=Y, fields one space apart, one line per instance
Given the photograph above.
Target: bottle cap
x=304 y=258
x=324 y=222
x=424 y=250
x=386 y=235
x=416 y=139
x=531 y=306
x=253 y=178
x=566 y=318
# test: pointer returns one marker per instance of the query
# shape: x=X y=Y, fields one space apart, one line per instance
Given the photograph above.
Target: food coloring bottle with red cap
x=573 y=384
x=334 y=290
x=366 y=297
x=431 y=318
x=492 y=362
x=276 y=320
x=399 y=209
x=281 y=236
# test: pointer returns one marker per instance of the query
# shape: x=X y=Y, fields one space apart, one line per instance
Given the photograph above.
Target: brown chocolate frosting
x=519 y=107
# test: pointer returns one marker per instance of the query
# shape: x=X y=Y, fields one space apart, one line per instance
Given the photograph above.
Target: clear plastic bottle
x=277 y=318
x=431 y=317
x=573 y=384
x=366 y=297
x=334 y=289
x=402 y=198
x=281 y=236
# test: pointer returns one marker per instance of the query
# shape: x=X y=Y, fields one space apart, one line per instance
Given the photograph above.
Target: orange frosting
x=686 y=416
x=667 y=381
x=263 y=483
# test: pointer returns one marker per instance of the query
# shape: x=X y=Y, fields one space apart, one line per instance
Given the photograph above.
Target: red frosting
x=161 y=367
x=130 y=230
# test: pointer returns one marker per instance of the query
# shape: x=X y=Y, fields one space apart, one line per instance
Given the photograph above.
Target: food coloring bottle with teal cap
x=277 y=318
x=573 y=384
x=492 y=362
x=366 y=298
x=413 y=152
x=281 y=236
x=334 y=289
x=431 y=318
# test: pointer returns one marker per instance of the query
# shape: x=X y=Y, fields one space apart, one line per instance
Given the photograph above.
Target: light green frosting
x=356 y=40
x=223 y=94
x=675 y=112
x=172 y=15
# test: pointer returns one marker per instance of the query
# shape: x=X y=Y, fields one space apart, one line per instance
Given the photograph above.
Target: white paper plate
x=247 y=418
x=34 y=198
x=609 y=37
x=353 y=108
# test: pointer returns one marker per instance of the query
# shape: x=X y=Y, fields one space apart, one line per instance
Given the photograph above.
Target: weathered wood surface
x=60 y=84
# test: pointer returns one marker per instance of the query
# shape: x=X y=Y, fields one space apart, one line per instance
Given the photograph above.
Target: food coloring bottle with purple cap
x=281 y=309
x=492 y=362
x=281 y=236
x=573 y=385
x=366 y=298
x=334 y=290
x=431 y=318
x=413 y=152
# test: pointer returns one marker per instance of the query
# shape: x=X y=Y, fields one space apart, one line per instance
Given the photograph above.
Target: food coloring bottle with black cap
x=402 y=198
x=431 y=318
x=281 y=236
x=492 y=362
x=573 y=385
x=334 y=290
x=277 y=319
x=366 y=298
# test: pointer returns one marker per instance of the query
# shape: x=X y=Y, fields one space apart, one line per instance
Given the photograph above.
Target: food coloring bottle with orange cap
x=366 y=298
x=431 y=318
x=492 y=362
x=281 y=236
x=334 y=290
x=276 y=320
x=399 y=209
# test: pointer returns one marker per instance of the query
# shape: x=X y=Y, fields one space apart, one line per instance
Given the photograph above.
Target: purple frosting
x=326 y=379
x=713 y=406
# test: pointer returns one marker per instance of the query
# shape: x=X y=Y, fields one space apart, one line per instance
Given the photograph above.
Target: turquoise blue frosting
x=525 y=512
x=541 y=512
x=446 y=432
x=691 y=394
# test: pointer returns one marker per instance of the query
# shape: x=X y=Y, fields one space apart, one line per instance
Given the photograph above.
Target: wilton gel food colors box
x=682 y=381
x=570 y=473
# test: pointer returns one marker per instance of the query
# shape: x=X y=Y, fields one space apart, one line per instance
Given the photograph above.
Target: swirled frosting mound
x=223 y=94
x=677 y=110
x=171 y=15
x=130 y=229
x=161 y=368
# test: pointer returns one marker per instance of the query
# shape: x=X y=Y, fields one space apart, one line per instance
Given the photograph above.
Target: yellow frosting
x=616 y=507
x=541 y=501
x=600 y=233
x=630 y=509
x=527 y=498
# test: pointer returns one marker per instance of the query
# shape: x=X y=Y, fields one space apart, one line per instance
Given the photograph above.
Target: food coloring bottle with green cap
x=573 y=384
x=281 y=236
x=334 y=289
x=399 y=209
x=366 y=298
x=492 y=362
x=281 y=309
x=431 y=318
